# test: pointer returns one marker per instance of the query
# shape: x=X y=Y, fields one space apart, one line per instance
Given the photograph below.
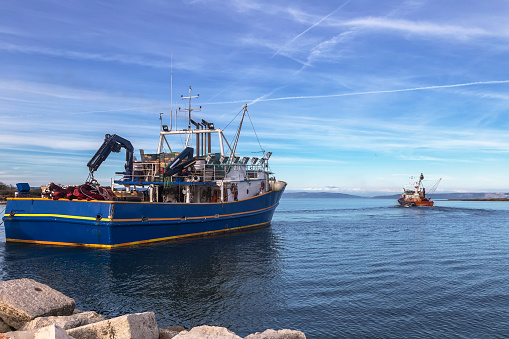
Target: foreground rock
x=65 y=322
x=281 y=334
x=23 y=300
x=209 y=332
x=40 y=312
x=138 y=325
x=214 y=332
x=168 y=332
x=48 y=332
x=4 y=327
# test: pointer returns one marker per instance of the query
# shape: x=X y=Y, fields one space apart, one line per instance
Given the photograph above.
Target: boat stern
x=58 y=222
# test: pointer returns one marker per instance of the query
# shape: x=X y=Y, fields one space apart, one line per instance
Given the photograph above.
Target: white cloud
x=11 y=31
x=79 y=55
x=416 y=27
x=328 y=48
x=67 y=142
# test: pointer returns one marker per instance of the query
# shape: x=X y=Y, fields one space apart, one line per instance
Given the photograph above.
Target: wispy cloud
x=79 y=55
x=435 y=159
x=333 y=47
x=43 y=94
x=272 y=9
x=416 y=27
x=69 y=142
x=309 y=28
x=10 y=31
x=328 y=47
x=281 y=160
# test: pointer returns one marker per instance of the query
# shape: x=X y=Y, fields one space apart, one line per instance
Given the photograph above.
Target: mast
x=203 y=131
x=189 y=110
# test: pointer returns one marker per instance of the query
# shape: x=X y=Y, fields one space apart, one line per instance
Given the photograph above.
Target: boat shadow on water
x=184 y=282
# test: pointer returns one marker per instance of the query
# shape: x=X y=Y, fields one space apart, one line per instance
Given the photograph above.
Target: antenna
x=171 y=91
x=171 y=124
x=189 y=109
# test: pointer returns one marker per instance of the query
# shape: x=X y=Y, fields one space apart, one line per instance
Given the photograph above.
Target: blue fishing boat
x=199 y=190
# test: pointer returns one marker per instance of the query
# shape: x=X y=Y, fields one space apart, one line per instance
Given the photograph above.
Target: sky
x=354 y=96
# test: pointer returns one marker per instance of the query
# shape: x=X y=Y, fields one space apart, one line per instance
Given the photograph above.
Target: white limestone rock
x=65 y=322
x=22 y=300
x=280 y=334
x=208 y=332
x=138 y=325
x=48 y=332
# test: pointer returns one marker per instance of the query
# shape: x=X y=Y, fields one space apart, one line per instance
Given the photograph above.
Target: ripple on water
x=328 y=267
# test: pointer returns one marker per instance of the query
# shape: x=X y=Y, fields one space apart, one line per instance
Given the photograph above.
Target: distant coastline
x=480 y=199
x=320 y=195
x=438 y=196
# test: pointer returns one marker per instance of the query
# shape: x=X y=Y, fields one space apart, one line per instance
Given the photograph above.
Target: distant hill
x=470 y=196
x=320 y=195
x=437 y=196
x=392 y=196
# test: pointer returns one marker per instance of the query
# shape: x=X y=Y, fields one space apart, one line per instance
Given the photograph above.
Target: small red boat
x=416 y=196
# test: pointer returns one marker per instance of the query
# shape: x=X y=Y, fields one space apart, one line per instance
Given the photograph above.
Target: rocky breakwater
x=31 y=310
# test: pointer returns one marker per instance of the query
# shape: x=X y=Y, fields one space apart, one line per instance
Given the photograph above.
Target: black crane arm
x=179 y=162
x=113 y=143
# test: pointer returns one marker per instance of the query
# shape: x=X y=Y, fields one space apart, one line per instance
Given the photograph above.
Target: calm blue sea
x=332 y=268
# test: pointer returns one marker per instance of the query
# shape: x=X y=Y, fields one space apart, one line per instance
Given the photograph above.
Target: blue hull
x=119 y=223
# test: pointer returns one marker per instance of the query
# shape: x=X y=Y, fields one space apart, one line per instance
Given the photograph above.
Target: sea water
x=332 y=268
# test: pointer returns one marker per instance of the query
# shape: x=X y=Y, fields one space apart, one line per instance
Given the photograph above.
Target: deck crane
x=112 y=143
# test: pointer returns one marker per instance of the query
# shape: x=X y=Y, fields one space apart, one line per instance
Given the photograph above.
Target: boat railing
x=146 y=173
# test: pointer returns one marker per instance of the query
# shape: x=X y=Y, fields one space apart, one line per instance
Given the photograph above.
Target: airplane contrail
x=365 y=93
x=309 y=28
x=288 y=43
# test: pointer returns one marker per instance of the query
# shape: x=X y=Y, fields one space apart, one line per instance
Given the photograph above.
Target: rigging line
x=233 y=119
x=434 y=188
x=233 y=141
x=254 y=130
x=236 y=138
x=176 y=128
x=227 y=143
x=169 y=148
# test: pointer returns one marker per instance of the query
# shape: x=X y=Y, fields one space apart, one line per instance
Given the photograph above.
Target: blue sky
x=350 y=96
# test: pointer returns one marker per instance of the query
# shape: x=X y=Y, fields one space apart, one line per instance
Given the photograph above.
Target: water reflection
x=208 y=280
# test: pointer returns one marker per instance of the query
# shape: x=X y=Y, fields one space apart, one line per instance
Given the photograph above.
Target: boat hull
x=120 y=223
x=412 y=203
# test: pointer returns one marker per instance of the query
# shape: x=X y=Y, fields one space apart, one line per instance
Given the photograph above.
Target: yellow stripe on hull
x=225 y=230
x=149 y=219
x=56 y=216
